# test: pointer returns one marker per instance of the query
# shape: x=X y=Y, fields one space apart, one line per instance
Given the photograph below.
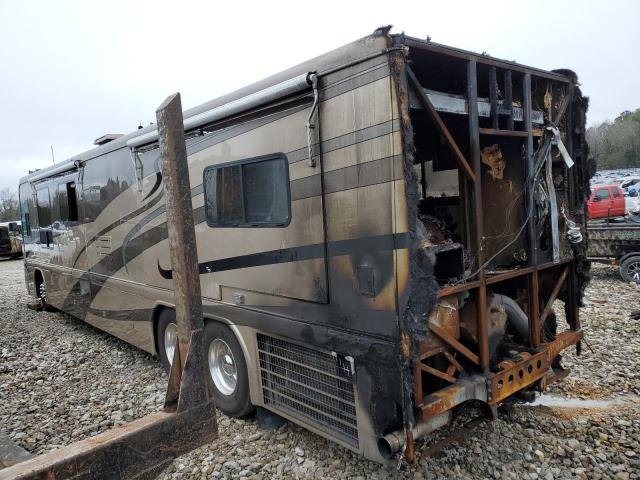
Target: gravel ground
x=62 y=380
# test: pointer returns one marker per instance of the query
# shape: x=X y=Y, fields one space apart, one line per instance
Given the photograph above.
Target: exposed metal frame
x=482 y=59
x=492 y=388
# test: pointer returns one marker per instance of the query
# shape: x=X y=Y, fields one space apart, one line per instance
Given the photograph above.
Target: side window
x=104 y=179
x=44 y=207
x=45 y=215
x=25 y=203
x=616 y=193
x=603 y=193
x=67 y=202
x=250 y=193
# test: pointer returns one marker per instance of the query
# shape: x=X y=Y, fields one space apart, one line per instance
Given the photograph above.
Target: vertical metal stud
x=526 y=113
x=508 y=98
x=493 y=97
x=534 y=307
x=474 y=147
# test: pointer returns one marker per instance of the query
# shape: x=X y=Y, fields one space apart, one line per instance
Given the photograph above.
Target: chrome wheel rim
x=634 y=271
x=222 y=367
x=42 y=291
x=170 y=340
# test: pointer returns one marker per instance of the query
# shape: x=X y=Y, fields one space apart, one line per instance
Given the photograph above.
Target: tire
x=166 y=321
x=630 y=269
x=224 y=359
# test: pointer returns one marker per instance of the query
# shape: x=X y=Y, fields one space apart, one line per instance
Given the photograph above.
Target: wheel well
x=628 y=255
x=155 y=318
x=38 y=279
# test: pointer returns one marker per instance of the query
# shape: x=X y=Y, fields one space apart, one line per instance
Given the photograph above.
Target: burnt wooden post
x=143 y=448
x=187 y=369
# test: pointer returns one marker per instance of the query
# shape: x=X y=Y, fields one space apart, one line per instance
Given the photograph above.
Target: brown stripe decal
x=113 y=225
x=314 y=251
x=348 y=139
x=361 y=175
x=366 y=78
x=155 y=186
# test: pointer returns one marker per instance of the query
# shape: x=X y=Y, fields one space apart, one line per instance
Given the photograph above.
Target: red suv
x=606 y=201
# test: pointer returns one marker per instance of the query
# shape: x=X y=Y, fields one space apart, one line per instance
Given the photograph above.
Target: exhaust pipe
x=393 y=442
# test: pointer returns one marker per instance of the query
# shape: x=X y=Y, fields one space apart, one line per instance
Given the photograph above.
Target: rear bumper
x=533 y=370
x=512 y=377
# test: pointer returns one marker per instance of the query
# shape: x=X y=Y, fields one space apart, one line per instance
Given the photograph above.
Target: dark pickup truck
x=616 y=242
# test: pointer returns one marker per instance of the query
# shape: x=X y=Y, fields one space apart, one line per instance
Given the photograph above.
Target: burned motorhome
x=382 y=232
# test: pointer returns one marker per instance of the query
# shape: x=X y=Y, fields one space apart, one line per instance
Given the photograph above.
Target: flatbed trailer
x=616 y=242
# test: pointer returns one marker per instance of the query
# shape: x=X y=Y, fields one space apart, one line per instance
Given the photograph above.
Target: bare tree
x=616 y=144
x=8 y=205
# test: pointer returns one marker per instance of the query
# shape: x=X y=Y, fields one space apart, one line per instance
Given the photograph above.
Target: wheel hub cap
x=634 y=271
x=222 y=367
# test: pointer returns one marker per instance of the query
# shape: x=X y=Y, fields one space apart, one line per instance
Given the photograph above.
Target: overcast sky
x=71 y=71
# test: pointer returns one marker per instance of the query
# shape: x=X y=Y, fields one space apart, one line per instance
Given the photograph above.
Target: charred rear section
x=496 y=172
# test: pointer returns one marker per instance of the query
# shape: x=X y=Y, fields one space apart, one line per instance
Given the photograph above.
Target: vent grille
x=313 y=386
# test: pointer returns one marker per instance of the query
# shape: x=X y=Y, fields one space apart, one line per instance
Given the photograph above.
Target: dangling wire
x=574 y=235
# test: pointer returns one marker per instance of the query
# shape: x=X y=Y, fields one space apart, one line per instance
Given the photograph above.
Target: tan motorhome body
x=334 y=308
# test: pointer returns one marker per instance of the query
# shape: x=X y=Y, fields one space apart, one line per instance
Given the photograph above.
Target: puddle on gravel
x=566 y=402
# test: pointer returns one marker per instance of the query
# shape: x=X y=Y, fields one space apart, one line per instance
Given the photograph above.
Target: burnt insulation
x=585 y=167
x=422 y=288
